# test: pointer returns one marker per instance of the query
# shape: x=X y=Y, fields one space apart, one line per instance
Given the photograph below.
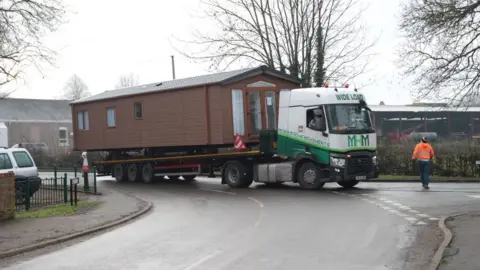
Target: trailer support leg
x=211 y=173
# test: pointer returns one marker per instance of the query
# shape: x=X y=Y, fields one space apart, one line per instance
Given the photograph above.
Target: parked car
x=38 y=148
x=20 y=162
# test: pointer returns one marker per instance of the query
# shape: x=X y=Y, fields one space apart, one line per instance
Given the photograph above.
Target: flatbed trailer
x=239 y=166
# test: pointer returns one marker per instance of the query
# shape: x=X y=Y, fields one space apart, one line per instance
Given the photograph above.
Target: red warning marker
x=238 y=145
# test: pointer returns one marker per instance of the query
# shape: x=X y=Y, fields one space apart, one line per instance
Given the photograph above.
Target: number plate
x=362 y=177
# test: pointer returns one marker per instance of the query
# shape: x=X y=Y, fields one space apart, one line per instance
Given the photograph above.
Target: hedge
x=64 y=161
x=452 y=158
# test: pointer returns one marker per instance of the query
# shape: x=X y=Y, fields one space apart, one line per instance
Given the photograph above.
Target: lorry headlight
x=337 y=162
x=374 y=159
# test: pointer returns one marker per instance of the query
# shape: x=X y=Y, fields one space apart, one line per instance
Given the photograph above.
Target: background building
x=39 y=125
x=437 y=121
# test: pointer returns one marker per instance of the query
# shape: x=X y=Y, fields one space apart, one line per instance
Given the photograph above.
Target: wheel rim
x=147 y=173
x=232 y=175
x=309 y=176
x=132 y=172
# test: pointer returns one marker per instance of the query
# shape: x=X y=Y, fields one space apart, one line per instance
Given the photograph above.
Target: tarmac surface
x=204 y=225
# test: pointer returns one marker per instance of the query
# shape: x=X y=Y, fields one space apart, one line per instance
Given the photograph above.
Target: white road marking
x=257 y=201
x=219 y=191
x=411 y=219
x=474 y=196
x=407 y=217
x=204 y=259
x=398 y=213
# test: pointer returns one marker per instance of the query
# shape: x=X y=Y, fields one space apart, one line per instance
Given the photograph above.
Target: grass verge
x=56 y=210
x=432 y=177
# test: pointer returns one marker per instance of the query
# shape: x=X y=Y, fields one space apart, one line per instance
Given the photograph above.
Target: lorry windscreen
x=348 y=119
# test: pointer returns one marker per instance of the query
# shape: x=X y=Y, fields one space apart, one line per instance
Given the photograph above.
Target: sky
x=105 y=39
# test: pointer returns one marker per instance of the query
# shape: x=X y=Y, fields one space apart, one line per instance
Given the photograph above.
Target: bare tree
x=23 y=24
x=442 y=49
x=127 y=80
x=314 y=40
x=75 y=88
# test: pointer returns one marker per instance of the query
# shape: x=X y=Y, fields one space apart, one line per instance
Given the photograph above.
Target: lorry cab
x=331 y=128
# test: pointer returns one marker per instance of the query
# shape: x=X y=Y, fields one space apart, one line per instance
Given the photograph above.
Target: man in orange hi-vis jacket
x=424 y=153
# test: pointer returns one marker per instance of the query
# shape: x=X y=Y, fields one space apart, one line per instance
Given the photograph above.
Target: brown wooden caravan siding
x=181 y=117
x=169 y=119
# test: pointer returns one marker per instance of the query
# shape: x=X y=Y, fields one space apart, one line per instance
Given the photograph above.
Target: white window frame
x=82 y=120
x=86 y=121
x=63 y=142
x=111 y=117
x=238 y=112
x=135 y=110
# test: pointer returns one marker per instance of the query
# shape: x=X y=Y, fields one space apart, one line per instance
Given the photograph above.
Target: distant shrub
x=64 y=161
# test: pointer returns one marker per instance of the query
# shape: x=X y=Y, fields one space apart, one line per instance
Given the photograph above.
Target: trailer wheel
x=133 y=172
x=348 y=184
x=147 y=173
x=189 y=178
x=173 y=177
x=237 y=175
x=309 y=176
x=119 y=172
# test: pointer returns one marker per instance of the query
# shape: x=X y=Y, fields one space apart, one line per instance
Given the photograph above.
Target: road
x=205 y=225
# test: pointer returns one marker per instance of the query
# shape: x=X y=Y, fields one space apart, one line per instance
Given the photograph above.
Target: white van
x=19 y=161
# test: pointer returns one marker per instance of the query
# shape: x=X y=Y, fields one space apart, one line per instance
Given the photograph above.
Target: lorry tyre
x=173 y=177
x=133 y=173
x=348 y=184
x=189 y=178
x=147 y=173
x=237 y=175
x=119 y=172
x=309 y=176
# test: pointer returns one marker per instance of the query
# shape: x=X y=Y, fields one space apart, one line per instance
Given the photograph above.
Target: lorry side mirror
x=320 y=123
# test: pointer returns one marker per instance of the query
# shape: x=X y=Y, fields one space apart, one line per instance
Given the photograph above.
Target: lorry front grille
x=359 y=165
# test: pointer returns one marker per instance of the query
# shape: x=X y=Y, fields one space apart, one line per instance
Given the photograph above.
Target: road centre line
x=202 y=260
x=257 y=201
x=218 y=191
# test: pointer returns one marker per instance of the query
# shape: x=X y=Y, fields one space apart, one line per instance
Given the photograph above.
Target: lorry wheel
x=309 y=176
x=132 y=172
x=173 y=177
x=237 y=175
x=119 y=173
x=147 y=173
x=348 y=184
x=189 y=178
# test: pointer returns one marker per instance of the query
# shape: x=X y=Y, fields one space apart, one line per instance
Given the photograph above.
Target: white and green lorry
x=324 y=135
